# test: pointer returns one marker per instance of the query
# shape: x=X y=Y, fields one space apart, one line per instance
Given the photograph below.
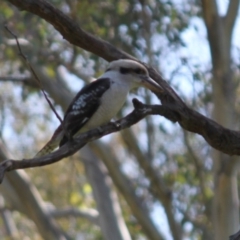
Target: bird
x=98 y=102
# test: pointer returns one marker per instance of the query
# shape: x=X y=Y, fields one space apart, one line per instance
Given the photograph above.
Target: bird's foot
x=116 y=124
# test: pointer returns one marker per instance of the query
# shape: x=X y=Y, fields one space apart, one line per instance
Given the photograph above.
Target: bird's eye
x=139 y=71
x=124 y=70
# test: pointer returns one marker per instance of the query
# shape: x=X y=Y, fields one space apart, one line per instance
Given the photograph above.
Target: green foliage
x=144 y=29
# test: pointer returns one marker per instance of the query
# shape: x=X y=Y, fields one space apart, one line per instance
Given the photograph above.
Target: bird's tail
x=52 y=143
x=48 y=148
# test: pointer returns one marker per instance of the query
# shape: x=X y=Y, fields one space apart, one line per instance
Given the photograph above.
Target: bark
x=136 y=204
x=225 y=140
x=20 y=193
x=52 y=88
x=225 y=202
x=157 y=186
x=139 y=210
x=222 y=139
x=111 y=220
x=89 y=214
x=59 y=92
x=110 y=214
x=10 y=227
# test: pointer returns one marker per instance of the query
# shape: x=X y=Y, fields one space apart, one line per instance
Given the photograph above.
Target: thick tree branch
x=111 y=219
x=235 y=236
x=75 y=144
x=135 y=202
x=9 y=224
x=226 y=140
x=218 y=137
x=157 y=186
x=173 y=107
x=210 y=11
x=70 y=29
x=230 y=18
x=21 y=195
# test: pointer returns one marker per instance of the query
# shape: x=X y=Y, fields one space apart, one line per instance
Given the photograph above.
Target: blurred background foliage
x=163 y=34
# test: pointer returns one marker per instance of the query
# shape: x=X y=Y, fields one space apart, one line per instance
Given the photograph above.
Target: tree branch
x=90 y=214
x=226 y=140
x=21 y=195
x=70 y=29
x=27 y=81
x=230 y=18
x=235 y=236
x=137 y=205
x=24 y=58
x=75 y=144
x=157 y=186
x=217 y=136
x=111 y=219
x=66 y=27
x=199 y=169
x=210 y=11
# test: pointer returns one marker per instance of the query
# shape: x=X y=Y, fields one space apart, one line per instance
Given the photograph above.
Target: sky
x=198 y=51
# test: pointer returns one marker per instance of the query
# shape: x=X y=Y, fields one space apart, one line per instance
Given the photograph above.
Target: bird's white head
x=132 y=72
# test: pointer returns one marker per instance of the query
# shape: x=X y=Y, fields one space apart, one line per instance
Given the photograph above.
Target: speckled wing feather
x=83 y=106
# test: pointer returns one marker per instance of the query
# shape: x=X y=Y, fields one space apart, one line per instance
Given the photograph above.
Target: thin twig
x=198 y=165
x=34 y=74
x=140 y=111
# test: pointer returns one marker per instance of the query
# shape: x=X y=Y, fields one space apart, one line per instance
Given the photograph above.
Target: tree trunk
x=110 y=215
x=225 y=202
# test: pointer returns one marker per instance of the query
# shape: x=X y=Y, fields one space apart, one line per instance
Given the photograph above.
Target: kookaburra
x=98 y=102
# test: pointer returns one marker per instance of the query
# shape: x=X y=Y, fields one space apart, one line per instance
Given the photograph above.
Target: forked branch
x=220 y=138
x=140 y=111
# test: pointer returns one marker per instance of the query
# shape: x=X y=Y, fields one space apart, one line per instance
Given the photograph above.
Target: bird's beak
x=151 y=84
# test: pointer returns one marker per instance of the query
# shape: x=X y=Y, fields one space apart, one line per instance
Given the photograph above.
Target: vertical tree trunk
x=225 y=202
x=111 y=220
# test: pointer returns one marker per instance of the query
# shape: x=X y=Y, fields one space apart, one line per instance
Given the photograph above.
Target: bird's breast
x=111 y=102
